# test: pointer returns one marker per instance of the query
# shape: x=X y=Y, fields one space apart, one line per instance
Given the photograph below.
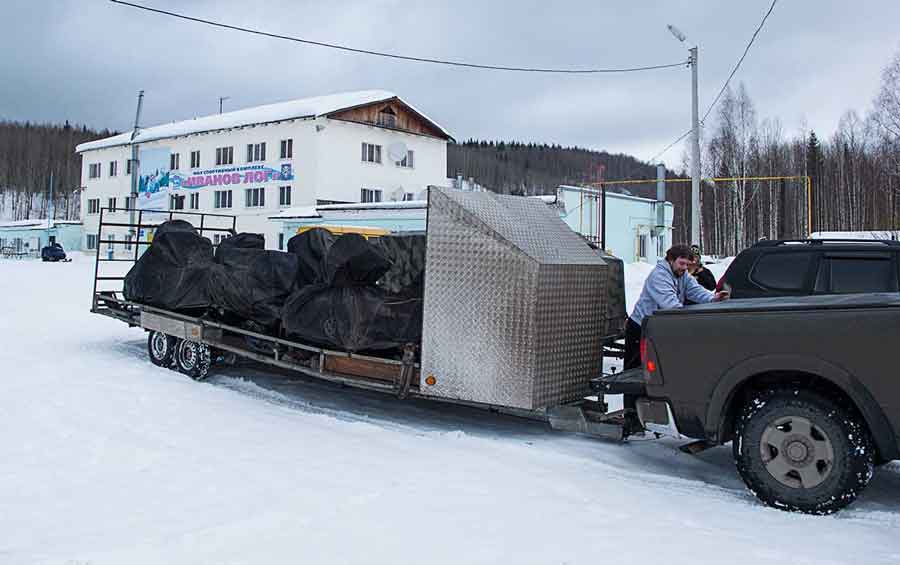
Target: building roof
x=317 y=106
x=314 y=211
x=609 y=194
x=39 y=223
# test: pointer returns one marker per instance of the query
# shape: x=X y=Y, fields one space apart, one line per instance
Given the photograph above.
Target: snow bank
x=106 y=459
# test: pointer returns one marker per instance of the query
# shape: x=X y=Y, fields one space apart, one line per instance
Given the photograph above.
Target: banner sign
x=153 y=179
x=250 y=174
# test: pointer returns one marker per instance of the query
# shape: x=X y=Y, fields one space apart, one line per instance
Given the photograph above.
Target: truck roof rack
x=777 y=242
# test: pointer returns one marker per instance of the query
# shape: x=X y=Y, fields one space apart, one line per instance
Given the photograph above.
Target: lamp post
x=695 y=139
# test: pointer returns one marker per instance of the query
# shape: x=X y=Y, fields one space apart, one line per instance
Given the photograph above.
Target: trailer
x=518 y=314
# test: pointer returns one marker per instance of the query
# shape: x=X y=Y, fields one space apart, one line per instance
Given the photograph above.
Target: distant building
x=354 y=147
x=637 y=229
x=29 y=236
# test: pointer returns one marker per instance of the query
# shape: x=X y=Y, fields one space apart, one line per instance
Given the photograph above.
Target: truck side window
x=860 y=274
x=782 y=271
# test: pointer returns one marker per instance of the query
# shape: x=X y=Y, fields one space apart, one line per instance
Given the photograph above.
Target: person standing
x=668 y=286
x=700 y=272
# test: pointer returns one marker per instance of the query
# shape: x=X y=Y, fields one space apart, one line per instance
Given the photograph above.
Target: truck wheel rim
x=159 y=345
x=796 y=453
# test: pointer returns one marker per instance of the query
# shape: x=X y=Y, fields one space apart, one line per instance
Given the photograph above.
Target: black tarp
x=241 y=241
x=346 y=310
x=174 y=226
x=353 y=318
x=252 y=284
x=172 y=273
x=406 y=254
x=310 y=247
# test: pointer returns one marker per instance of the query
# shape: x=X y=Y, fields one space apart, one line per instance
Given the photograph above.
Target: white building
x=342 y=148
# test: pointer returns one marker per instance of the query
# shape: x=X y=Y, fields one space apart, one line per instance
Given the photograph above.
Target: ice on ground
x=106 y=459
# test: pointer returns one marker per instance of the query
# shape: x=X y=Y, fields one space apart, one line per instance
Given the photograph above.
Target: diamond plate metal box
x=514 y=302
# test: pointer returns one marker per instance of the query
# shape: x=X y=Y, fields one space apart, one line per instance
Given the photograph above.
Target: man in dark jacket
x=699 y=272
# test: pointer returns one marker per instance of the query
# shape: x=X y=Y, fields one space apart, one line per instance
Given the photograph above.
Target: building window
x=222 y=199
x=93 y=206
x=280 y=242
x=128 y=238
x=284 y=196
x=255 y=197
x=94 y=171
x=129 y=202
x=387 y=118
x=406 y=162
x=371 y=153
x=407 y=197
x=641 y=247
x=194 y=203
x=256 y=152
x=224 y=155
x=176 y=202
x=113 y=168
x=287 y=148
x=370 y=195
x=175 y=161
x=195 y=159
x=91 y=241
x=129 y=164
x=111 y=204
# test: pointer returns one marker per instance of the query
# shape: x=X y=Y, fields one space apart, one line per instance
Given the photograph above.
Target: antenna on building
x=397 y=151
x=222 y=99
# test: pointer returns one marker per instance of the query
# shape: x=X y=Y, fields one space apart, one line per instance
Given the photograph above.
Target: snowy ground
x=106 y=459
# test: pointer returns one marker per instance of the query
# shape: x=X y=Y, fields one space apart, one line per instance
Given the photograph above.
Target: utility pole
x=135 y=232
x=695 y=153
x=50 y=208
x=661 y=208
x=222 y=99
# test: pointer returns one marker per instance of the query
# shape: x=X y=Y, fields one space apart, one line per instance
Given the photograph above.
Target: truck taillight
x=649 y=362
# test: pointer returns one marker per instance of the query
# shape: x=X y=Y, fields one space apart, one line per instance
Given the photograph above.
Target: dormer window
x=387 y=118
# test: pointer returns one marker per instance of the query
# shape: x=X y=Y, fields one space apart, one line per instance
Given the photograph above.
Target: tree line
x=28 y=154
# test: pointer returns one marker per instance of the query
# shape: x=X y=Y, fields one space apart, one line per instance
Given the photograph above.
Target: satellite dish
x=397 y=151
x=397 y=194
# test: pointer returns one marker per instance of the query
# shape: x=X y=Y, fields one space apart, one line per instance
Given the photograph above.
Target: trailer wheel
x=161 y=348
x=193 y=359
x=800 y=451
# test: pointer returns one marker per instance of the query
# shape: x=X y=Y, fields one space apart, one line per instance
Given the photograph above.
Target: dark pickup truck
x=804 y=386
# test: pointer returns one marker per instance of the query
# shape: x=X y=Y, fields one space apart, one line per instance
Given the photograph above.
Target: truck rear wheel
x=799 y=451
x=193 y=359
x=161 y=348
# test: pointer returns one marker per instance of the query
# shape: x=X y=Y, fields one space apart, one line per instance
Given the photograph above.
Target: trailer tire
x=161 y=348
x=803 y=452
x=193 y=359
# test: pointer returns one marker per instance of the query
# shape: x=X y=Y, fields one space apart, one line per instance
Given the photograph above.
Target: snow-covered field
x=106 y=459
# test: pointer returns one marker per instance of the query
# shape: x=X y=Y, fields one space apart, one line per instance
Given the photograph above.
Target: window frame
x=370 y=195
x=195 y=159
x=194 y=201
x=94 y=170
x=174 y=161
x=287 y=148
x=255 y=197
x=225 y=155
x=371 y=153
x=113 y=168
x=806 y=284
x=284 y=190
x=218 y=203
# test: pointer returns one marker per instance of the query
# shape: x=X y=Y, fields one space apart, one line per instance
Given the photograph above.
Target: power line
x=741 y=60
x=724 y=86
x=669 y=146
x=394 y=55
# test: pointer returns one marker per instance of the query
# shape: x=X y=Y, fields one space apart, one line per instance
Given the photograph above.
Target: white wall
x=326 y=164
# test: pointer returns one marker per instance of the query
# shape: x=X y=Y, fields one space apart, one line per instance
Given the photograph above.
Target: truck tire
x=161 y=348
x=193 y=359
x=803 y=452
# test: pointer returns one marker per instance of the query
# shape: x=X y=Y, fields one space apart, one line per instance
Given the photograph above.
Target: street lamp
x=695 y=141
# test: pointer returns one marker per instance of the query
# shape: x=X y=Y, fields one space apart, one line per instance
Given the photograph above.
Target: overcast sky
x=85 y=60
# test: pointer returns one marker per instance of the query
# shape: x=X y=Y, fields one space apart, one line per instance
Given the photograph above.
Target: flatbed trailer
x=191 y=343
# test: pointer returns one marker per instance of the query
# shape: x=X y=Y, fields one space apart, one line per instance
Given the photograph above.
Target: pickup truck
x=803 y=387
